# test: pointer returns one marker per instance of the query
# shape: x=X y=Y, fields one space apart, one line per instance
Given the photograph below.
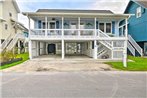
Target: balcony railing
x=67 y=33
x=58 y=33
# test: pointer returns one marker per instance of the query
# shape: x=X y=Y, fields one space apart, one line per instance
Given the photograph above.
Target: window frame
x=138 y=12
x=105 y=27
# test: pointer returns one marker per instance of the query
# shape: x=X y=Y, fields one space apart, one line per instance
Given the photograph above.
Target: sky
x=116 y=6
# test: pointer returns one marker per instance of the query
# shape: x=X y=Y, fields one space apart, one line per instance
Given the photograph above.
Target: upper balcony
x=84 y=25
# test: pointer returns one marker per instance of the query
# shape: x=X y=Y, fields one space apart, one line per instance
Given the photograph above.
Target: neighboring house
x=137 y=26
x=94 y=33
x=11 y=30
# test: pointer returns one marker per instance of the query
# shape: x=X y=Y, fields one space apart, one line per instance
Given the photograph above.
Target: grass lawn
x=139 y=64
x=25 y=57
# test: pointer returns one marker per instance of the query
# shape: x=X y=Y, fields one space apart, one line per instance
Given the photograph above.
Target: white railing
x=101 y=50
x=101 y=34
x=135 y=45
x=6 y=42
x=14 y=41
x=132 y=50
x=39 y=33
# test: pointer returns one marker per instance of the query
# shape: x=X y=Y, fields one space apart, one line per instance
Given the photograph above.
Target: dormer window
x=138 y=12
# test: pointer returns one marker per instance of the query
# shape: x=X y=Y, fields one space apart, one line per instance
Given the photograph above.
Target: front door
x=51 y=48
x=73 y=26
x=52 y=25
x=145 y=49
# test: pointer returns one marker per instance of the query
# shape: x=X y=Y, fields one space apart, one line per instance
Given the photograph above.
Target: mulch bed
x=11 y=61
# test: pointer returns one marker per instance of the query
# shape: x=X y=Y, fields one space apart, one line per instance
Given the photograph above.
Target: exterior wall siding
x=137 y=26
x=67 y=25
x=7 y=8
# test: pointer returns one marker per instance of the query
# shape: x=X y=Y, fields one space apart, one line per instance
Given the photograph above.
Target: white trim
x=105 y=27
x=138 y=12
x=63 y=52
x=51 y=22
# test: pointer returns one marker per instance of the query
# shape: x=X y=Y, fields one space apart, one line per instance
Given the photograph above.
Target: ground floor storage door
x=73 y=48
x=51 y=48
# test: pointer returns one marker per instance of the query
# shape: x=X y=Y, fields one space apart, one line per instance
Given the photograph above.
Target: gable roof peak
x=143 y=3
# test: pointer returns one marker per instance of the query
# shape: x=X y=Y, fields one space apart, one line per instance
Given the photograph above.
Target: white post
x=95 y=49
x=95 y=26
x=30 y=42
x=79 y=26
x=95 y=41
x=62 y=27
x=63 y=54
x=112 y=51
x=125 y=44
x=46 y=26
x=30 y=49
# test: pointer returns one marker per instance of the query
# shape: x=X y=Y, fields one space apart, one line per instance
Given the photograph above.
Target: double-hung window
x=138 y=12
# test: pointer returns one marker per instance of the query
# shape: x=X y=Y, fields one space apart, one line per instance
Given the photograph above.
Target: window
x=6 y=27
x=10 y=14
x=39 y=24
x=102 y=27
x=138 y=12
x=108 y=27
x=105 y=27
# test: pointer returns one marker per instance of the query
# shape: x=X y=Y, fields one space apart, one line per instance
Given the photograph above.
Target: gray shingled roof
x=74 y=11
x=142 y=2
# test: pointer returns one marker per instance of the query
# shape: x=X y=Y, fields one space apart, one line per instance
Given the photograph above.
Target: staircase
x=10 y=42
x=108 y=44
x=133 y=46
x=6 y=43
x=102 y=50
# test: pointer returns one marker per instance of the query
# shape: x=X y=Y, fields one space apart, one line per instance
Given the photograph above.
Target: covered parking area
x=49 y=49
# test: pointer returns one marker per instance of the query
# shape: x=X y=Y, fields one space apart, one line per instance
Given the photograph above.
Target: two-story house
x=10 y=28
x=137 y=25
x=94 y=33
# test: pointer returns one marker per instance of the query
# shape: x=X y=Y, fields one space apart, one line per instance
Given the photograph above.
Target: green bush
x=7 y=56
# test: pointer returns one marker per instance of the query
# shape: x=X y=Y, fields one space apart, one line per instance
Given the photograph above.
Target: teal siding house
x=137 y=25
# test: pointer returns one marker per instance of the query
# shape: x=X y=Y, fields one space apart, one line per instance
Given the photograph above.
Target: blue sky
x=33 y=5
x=117 y=6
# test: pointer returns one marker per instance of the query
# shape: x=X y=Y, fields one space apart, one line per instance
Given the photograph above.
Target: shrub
x=7 y=56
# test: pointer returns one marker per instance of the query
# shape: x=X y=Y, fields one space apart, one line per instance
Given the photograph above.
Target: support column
x=62 y=27
x=95 y=50
x=63 y=54
x=79 y=24
x=30 y=49
x=112 y=51
x=46 y=26
x=95 y=33
x=30 y=42
x=95 y=41
x=125 y=44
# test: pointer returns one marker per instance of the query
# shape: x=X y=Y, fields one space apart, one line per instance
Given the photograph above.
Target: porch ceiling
x=82 y=15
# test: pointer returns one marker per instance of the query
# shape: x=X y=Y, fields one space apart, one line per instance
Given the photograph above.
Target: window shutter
x=113 y=27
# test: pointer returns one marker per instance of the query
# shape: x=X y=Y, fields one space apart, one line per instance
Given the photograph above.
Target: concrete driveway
x=93 y=84
x=56 y=64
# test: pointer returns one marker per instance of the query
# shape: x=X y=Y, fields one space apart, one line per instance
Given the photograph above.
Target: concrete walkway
x=56 y=64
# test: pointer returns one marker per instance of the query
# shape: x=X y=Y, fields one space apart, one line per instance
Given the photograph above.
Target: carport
x=56 y=49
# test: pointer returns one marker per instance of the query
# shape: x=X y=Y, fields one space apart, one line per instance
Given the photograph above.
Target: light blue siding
x=88 y=24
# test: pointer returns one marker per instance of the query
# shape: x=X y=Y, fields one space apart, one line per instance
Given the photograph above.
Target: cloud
x=117 y=6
